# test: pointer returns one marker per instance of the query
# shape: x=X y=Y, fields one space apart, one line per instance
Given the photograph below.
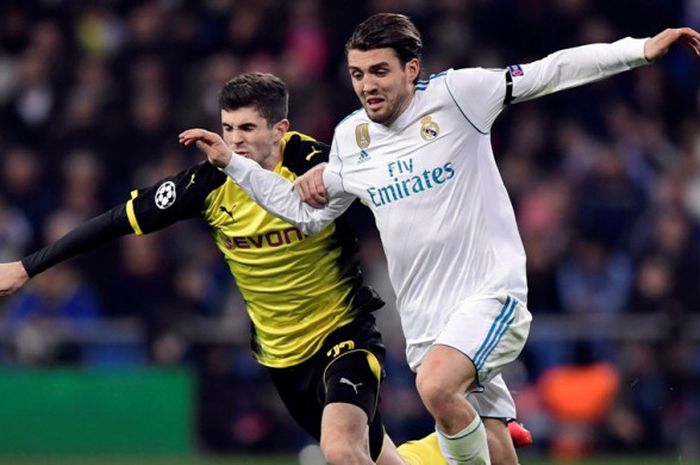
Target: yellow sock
x=425 y=451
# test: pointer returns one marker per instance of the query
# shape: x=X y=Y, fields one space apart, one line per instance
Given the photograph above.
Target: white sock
x=468 y=447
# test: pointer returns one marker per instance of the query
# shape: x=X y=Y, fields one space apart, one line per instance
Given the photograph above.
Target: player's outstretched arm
x=657 y=46
x=589 y=63
x=12 y=277
x=94 y=232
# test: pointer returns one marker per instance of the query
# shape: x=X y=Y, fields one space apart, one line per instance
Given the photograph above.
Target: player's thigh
x=490 y=331
x=303 y=387
x=353 y=379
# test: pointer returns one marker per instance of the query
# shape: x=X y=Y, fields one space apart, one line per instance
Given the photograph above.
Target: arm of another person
x=269 y=190
x=150 y=209
x=87 y=236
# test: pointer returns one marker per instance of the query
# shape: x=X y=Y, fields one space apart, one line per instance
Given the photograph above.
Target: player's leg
x=496 y=406
x=352 y=444
x=345 y=435
x=501 y=446
x=334 y=395
x=351 y=429
x=426 y=451
x=442 y=380
x=480 y=338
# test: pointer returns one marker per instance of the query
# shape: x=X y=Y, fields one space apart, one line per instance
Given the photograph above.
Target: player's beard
x=391 y=110
x=385 y=116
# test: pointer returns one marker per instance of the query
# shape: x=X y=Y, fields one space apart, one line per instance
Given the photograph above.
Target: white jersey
x=444 y=216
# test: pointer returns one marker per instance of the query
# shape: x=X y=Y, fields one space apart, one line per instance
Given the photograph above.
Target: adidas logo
x=363 y=157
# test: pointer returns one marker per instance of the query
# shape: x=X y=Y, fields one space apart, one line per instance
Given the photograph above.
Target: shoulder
x=207 y=175
x=352 y=128
x=301 y=152
x=473 y=76
x=432 y=81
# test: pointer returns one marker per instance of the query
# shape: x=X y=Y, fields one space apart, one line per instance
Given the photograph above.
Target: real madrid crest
x=429 y=129
x=362 y=135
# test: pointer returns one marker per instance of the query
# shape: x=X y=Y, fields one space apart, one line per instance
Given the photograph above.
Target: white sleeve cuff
x=633 y=51
x=238 y=167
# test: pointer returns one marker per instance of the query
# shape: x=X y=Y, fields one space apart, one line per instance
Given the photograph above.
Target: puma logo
x=191 y=181
x=313 y=152
x=228 y=212
x=350 y=383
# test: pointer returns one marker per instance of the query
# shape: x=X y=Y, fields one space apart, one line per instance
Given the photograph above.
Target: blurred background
x=141 y=347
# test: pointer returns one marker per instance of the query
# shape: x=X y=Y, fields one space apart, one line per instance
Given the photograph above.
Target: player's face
x=383 y=85
x=248 y=134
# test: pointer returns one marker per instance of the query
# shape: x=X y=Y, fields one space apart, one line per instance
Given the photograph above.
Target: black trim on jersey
x=89 y=235
x=509 y=89
x=297 y=150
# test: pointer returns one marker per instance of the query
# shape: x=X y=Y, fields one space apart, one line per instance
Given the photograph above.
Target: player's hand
x=210 y=143
x=310 y=186
x=12 y=277
x=657 y=46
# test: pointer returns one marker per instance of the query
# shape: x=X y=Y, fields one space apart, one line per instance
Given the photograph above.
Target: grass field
x=288 y=460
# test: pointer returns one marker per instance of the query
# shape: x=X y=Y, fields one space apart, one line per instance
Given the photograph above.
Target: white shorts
x=493 y=399
x=491 y=331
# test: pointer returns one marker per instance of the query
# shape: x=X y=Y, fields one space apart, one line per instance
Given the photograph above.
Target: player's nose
x=368 y=86
x=237 y=138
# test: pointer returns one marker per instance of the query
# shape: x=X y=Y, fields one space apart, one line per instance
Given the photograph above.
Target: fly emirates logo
x=406 y=182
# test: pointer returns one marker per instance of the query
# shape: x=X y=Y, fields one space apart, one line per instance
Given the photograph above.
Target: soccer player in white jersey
x=419 y=154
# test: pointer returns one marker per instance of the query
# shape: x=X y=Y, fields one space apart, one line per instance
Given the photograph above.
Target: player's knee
x=343 y=452
x=436 y=396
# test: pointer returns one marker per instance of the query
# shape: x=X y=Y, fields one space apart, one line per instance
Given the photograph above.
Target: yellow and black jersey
x=297 y=288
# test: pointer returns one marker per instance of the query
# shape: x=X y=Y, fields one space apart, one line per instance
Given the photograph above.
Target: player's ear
x=280 y=129
x=412 y=69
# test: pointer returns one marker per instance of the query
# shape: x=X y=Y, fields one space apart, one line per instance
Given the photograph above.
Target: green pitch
x=287 y=460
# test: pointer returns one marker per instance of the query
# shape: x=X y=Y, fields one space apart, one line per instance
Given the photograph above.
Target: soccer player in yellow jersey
x=312 y=322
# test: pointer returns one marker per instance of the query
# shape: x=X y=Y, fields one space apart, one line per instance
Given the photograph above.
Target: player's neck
x=270 y=162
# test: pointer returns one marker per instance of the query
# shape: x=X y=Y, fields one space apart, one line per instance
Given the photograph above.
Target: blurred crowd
x=605 y=180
